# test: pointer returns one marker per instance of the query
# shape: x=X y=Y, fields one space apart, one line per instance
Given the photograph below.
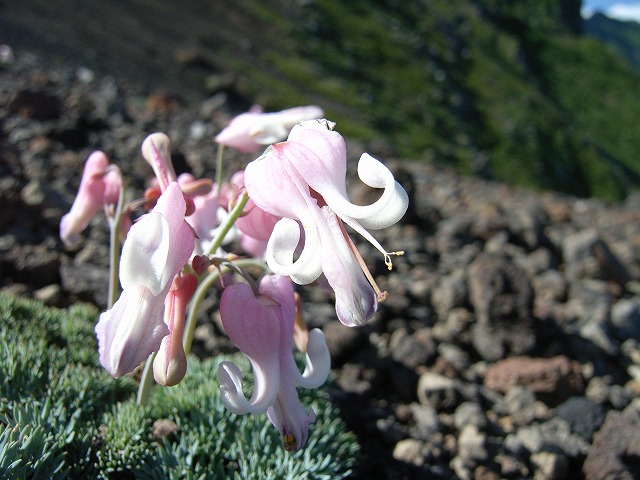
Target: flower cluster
x=287 y=211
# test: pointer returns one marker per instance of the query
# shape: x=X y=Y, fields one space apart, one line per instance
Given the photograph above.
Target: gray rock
x=472 y=445
x=470 y=413
x=502 y=298
x=342 y=341
x=550 y=466
x=438 y=392
x=49 y=295
x=455 y=356
x=427 y=422
x=412 y=350
x=554 y=435
x=587 y=255
x=625 y=319
x=86 y=281
x=521 y=405
x=450 y=292
x=583 y=415
x=550 y=285
x=409 y=450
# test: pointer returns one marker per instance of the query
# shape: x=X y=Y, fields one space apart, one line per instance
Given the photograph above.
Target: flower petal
x=156 y=150
x=254 y=326
x=144 y=254
x=281 y=249
x=289 y=416
x=386 y=211
x=318 y=363
x=356 y=301
x=231 y=390
x=131 y=330
x=90 y=198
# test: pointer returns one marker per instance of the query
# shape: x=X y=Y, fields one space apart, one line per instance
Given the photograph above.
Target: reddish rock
x=553 y=380
x=616 y=448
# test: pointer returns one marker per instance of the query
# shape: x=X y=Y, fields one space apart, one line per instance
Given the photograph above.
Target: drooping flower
x=253 y=130
x=155 y=251
x=308 y=172
x=262 y=328
x=99 y=188
x=170 y=365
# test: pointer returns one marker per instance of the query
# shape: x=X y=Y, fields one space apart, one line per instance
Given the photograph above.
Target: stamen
x=387 y=258
x=289 y=442
x=382 y=296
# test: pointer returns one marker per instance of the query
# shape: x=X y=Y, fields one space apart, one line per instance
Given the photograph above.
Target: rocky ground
x=509 y=345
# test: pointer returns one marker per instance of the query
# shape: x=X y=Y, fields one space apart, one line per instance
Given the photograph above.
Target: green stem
x=114 y=251
x=194 y=307
x=229 y=222
x=146 y=381
x=219 y=168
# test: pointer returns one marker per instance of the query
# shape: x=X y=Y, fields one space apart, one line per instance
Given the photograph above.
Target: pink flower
x=262 y=327
x=208 y=214
x=156 y=249
x=251 y=131
x=308 y=174
x=170 y=365
x=100 y=187
x=255 y=225
x=156 y=150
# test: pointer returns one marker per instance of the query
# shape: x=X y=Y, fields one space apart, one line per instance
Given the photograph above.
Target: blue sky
x=619 y=9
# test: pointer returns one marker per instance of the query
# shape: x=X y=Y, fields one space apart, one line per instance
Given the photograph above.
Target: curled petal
x=231 y=391
x=318 y=362
x=387 y=210
x=281 y=249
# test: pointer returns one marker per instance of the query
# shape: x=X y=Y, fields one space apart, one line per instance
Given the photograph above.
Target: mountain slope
x=508 y=90
x=622 y=36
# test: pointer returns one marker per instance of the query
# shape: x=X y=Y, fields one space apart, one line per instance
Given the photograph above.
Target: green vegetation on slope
x=623 y=37
x=508 y=91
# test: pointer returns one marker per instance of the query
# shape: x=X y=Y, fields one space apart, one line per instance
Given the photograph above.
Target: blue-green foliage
x=62 y=416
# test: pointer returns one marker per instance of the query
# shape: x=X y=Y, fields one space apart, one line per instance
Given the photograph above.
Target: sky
x=618 y=9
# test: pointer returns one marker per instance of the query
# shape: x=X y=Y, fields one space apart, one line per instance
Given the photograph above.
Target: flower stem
x=146 y=381
x=115 y=225
x=219 y=168
x=234 y=214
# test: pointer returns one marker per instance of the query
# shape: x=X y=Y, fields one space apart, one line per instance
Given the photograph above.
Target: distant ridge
x=623 y=36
